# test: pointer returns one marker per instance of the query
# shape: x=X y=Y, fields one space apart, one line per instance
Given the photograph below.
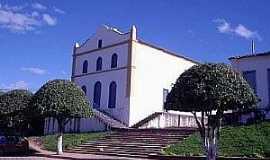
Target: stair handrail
x=146 y=119
x=101 y=116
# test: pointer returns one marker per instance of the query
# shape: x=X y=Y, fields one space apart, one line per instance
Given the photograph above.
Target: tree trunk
x=212 y=145
x=212 y=138
x=60 y=137
x=60 y=144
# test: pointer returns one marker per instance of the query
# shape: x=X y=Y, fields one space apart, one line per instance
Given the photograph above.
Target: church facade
x=126 y=80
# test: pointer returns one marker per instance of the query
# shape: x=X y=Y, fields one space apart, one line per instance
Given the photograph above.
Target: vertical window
x=100 y=43
x=84 y=89
x=53 y=127
x=250 y=77
x=97 y=95
x=85 y=66
x=268 y=75
x=165 y=94
x=49 y=123
x=112 y=95
x=114 y=60
x=78 y=121
x=99 y=64
x=70 y=126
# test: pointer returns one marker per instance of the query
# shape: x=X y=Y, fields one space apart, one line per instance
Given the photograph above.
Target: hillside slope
x=249 y=141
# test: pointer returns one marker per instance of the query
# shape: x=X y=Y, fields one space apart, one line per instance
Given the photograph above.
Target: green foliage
x=13 y=106
x=248 y=141
x=14 y=103
x=191 y=146
x=71 y=140
x=208 y=87
x=61 y=99
x=1 y=92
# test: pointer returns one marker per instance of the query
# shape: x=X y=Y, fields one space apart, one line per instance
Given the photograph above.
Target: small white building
x=256 y=70
x=126 y=81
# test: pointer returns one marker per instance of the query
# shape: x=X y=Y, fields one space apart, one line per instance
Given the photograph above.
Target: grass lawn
x=69 y=140
x=245 y=141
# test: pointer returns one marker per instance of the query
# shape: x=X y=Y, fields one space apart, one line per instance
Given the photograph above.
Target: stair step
x=140 y=141
x=132 y=143
x=130 y=138
x=147 y=134
x=125 y=154
x=121 y=145
x=120 y=149
x=142 y=137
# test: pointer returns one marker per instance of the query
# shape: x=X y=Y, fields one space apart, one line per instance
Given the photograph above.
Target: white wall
x=169 y=120
x=260 y=64
x=105 y=54
x=85 y=125
x=154 y=70
x=108 y=36
x=121 y=110
x=106 y=75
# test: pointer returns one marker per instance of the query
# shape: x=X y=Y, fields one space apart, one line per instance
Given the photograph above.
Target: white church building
x=126 y=81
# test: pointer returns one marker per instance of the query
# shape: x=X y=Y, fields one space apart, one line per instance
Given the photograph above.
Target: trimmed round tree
x=13 y=105
x=62 y=100
x=1 y=92
x=210 y=89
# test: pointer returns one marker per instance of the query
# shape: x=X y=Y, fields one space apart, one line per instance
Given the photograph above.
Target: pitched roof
x=251 y=55
x=167 y=51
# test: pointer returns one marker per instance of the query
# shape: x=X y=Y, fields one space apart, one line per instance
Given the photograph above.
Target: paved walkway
x=74 y=156
x=41 y=154
x=47 y=155
x=67 y=156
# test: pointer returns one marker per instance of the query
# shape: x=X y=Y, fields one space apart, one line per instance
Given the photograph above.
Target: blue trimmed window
x=165 y=94
x=97 y=95
x=250 y=77
x=114 y=60
x=112 y=95
x=84 y=89
x=85 y=66
x=268 y=77
x=100 y=43
x=99 y=64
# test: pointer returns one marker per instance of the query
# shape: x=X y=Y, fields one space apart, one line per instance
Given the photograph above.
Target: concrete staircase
x=134 y=142
x=108 y=120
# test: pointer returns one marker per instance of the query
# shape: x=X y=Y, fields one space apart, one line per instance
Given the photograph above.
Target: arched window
x=97 y=95
x=100 y=43
x=112 y=95
x=85 y=66
x=99 y=64
x=114 y=60
x=84 y=89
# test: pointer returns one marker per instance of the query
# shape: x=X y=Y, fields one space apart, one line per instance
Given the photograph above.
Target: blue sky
x=36 y=37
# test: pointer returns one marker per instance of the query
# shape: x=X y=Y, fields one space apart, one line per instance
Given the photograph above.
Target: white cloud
x=34 y=70
x=25 y=18
x=246 y=33
x=13 y=8
x=39 y=6
x=57 y=10
x=240 y=30
x=35 y=14
x=16 y=85
x=51 y=21
x=64 y=72
x=224 y=26
x=17 y=22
